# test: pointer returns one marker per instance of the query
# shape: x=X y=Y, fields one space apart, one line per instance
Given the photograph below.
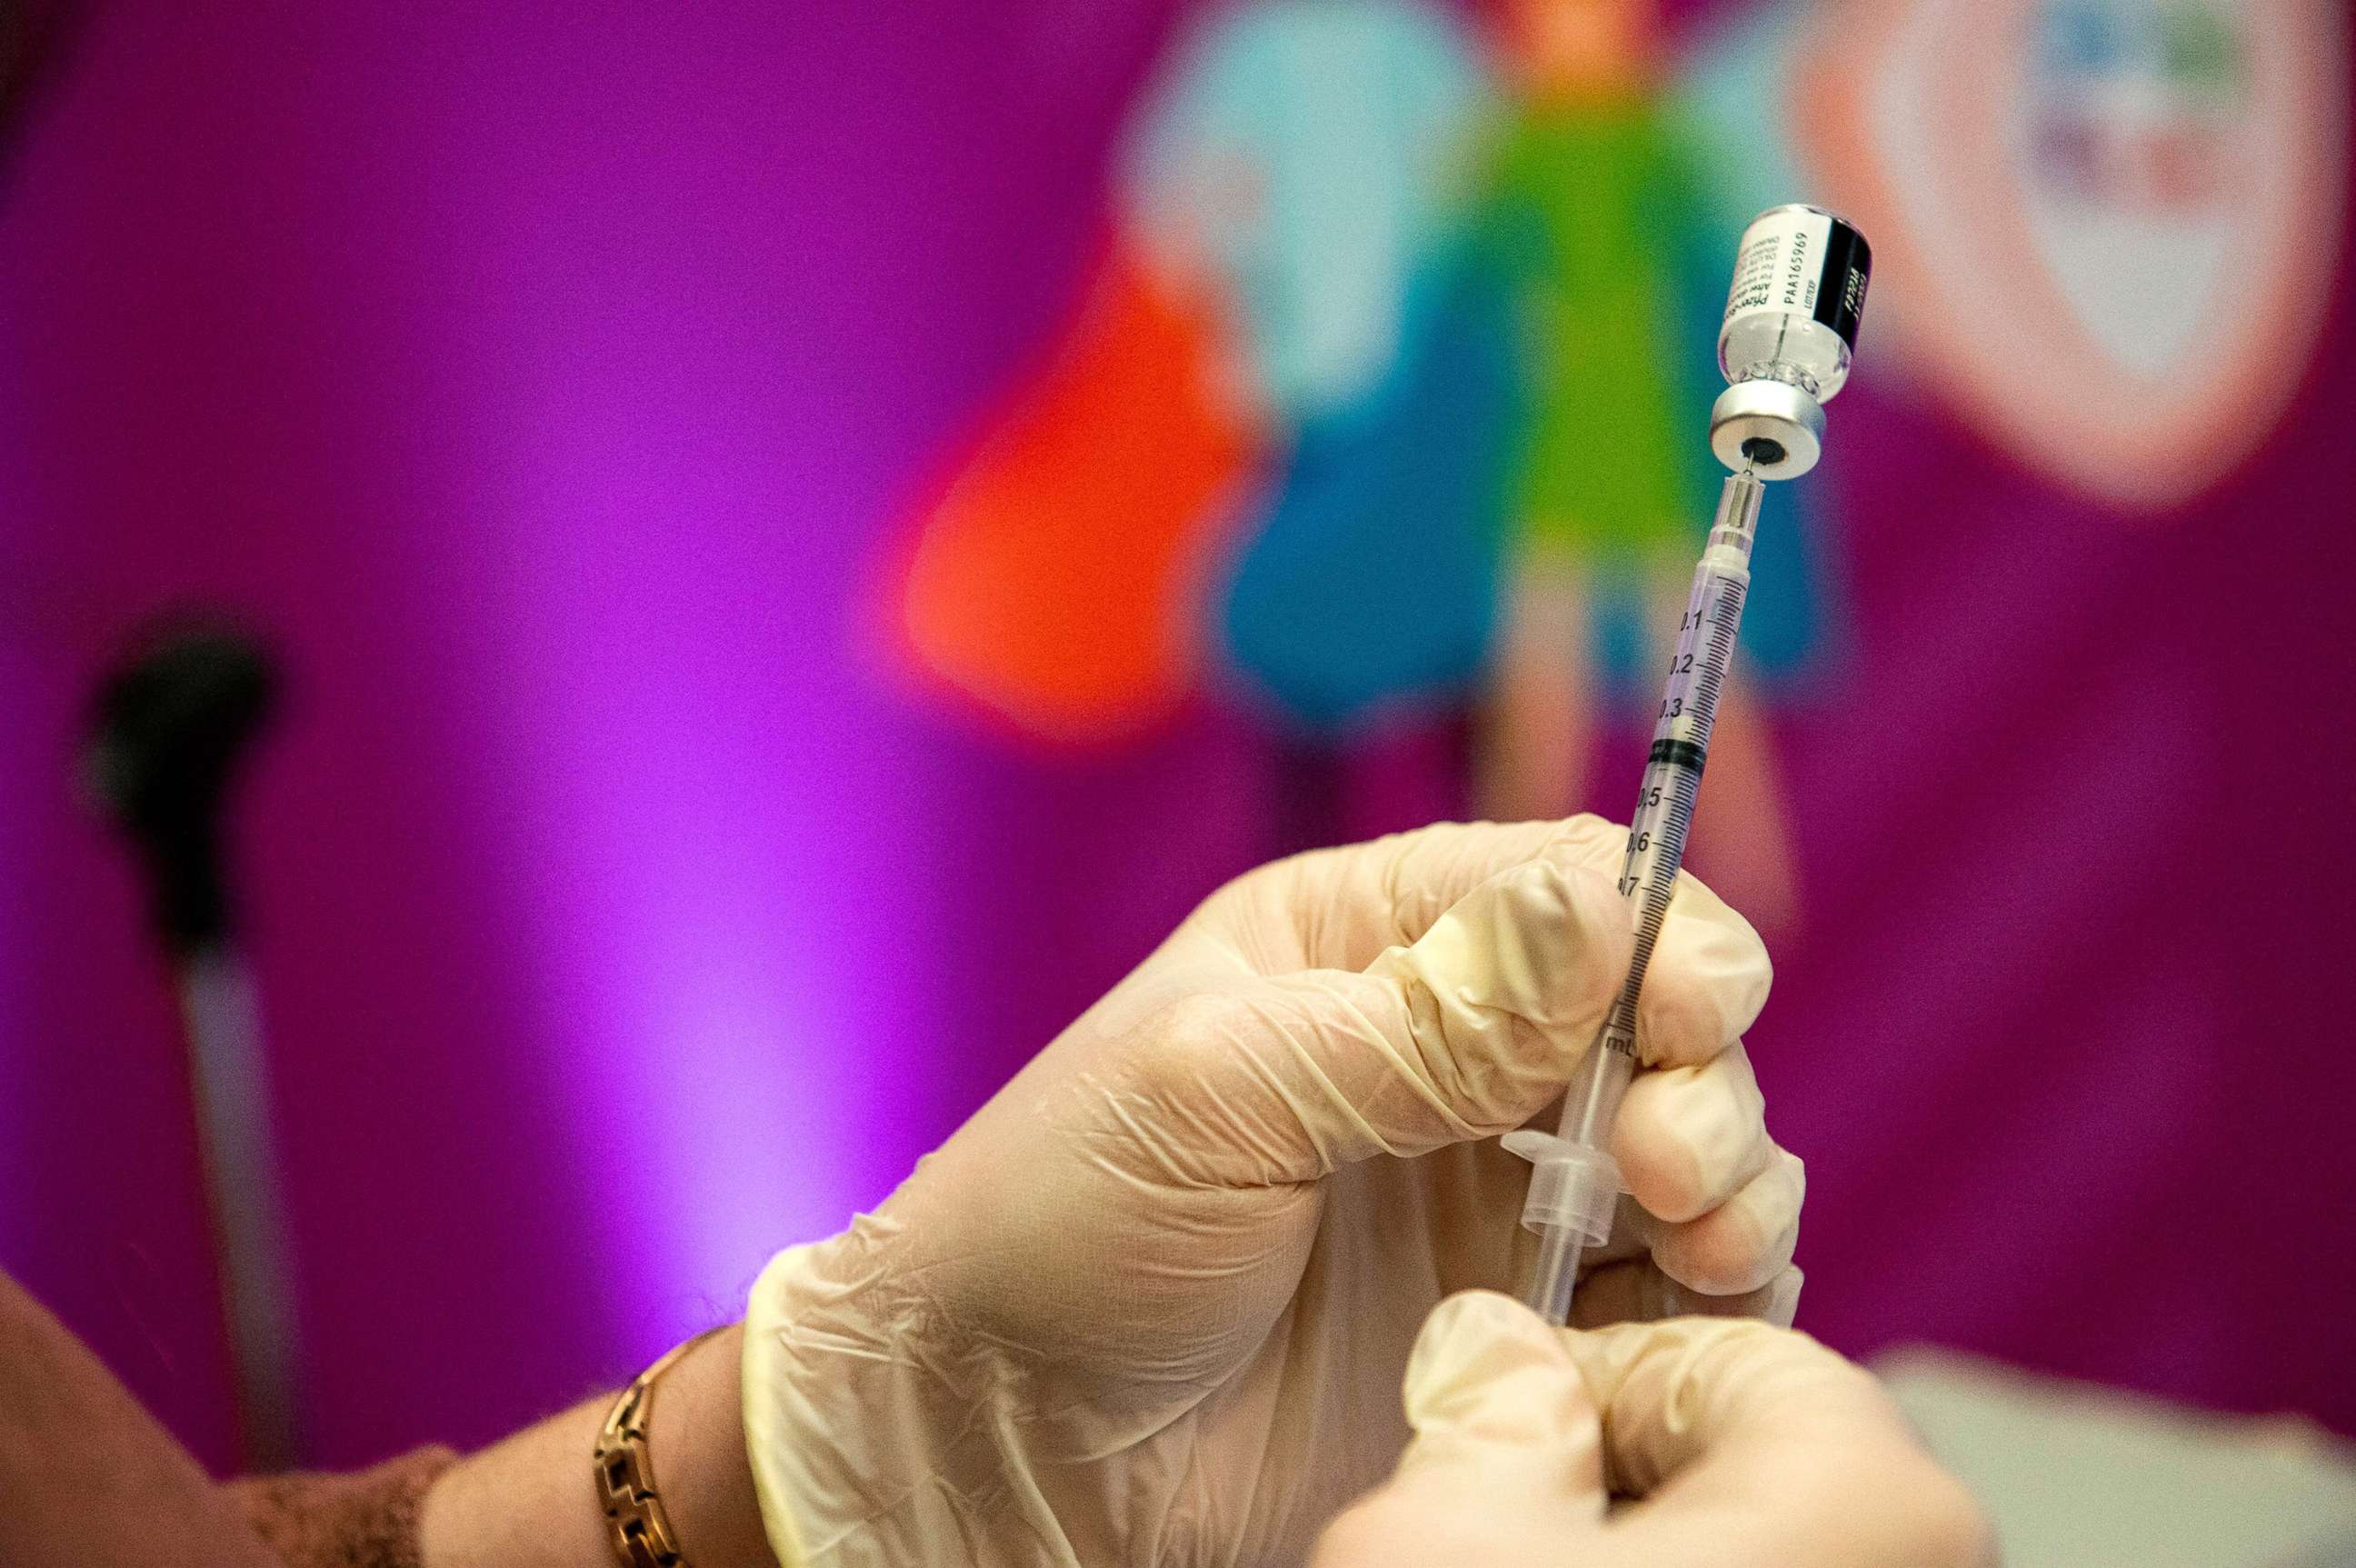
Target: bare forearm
x=87 y=1475
x=530 y=1501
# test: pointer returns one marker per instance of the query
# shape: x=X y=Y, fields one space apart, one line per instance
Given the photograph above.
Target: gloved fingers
x=1488 y=1381
x=1339 y=909
x=1712 y=1198
x=1634 y=1290
x=1346 y=909
x=1688 y=1138
x=1781 y=1452
x=1744 y=1242
x=1464 y=1032
x=1707 y=982
x=1461 y=1035
x=1500 y=1411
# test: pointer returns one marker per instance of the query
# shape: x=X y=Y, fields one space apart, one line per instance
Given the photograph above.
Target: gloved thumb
x=1500 y=1412
x=1494 y=1399
x=1691 y=1387
x=1771 y=1439
x=1467 y=1032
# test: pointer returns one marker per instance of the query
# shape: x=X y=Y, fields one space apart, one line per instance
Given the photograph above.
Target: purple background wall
x=547 y=383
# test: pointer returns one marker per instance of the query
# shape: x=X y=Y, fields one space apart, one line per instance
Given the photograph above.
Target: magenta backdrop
x=546 y=382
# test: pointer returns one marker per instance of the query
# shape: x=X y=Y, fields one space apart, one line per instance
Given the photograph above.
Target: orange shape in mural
x=1057 y=577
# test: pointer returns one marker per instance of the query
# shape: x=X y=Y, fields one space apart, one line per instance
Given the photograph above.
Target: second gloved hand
x=1741 y=1445
x=1150 y=1304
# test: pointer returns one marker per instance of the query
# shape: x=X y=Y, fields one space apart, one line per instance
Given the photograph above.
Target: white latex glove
x=1150 y=1304
x=1751 y=1447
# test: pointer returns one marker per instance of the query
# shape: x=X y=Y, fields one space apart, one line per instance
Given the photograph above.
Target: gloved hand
x=1151 y=1304
x=1751 y=1447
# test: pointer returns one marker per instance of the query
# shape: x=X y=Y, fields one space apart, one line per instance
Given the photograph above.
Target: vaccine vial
x=1800 y=276
x=1799 y=287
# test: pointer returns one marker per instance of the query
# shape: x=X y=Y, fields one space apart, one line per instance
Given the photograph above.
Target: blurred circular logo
x=2106 y=229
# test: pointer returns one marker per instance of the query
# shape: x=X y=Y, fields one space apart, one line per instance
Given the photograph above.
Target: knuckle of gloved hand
x=1738 y=1247
x=1495 y=1084
x=1588 y=843
x=1949 y=1524
x=1708 y=981
x=1236 y=900
x=1509 y=987
x=1789 y=1382
x=1398 y=1526
x=1894 y=1502
x=1503 y=950
x=1365 y=1533
x=1187 y=1035
x=1571 y=938
x=1683 y=1135
x=1273 y=882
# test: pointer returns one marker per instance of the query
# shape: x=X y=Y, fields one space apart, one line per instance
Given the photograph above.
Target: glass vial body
x=1800 y=276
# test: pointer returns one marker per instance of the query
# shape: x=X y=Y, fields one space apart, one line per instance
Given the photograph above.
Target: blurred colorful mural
x=1386 y=388
x=802 y=540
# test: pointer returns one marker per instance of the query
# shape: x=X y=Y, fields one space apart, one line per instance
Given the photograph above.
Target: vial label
x=1796 y=261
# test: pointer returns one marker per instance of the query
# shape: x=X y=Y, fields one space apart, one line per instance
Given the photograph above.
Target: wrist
x=533 y=1502
x=695 y=1443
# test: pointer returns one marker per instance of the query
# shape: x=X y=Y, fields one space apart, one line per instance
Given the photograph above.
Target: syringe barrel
x=1593 y=1098
x=1549 y=1287
x=1784 y=344
x=1574 y=1182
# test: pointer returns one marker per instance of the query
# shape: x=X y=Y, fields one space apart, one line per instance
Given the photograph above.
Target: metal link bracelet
x=626 y=1479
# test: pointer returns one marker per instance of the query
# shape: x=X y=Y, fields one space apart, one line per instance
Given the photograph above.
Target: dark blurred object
x=171 y=724
x=170 y=728
x=33 y=36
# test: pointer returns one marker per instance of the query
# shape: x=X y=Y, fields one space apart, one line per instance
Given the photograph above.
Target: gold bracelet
x=626 y=1477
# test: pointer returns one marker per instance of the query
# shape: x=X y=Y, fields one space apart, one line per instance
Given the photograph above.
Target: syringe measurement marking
x=1665 y=807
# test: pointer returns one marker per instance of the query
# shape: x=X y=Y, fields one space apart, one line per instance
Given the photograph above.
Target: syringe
x=1785 y=344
